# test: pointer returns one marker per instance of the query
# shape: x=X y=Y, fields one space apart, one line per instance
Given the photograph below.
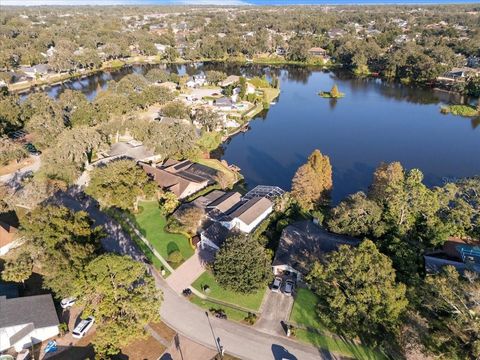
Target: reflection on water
x=376 y=121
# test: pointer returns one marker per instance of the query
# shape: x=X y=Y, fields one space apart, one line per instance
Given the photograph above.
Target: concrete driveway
x=275 y=312
x=189 y=271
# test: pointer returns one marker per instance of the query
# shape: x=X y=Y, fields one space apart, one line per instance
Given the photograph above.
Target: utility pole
x=216 y=340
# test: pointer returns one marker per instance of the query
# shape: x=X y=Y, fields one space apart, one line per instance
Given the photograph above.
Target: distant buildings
x=130 y=149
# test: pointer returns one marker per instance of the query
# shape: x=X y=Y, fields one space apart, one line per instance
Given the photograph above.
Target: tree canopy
x=241 y=264
x=312 y=182
x=120 y=184
x=122 y=296
x=357 y=290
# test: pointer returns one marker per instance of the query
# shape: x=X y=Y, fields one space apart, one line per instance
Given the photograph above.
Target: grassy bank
x=460 y=110
x=232 y=314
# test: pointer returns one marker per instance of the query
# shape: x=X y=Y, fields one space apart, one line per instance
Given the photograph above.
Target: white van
x=82 y=328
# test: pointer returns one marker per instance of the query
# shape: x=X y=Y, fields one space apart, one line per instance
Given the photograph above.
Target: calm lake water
x=376 y=121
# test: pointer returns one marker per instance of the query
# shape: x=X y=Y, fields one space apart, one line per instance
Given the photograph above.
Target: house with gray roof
x=249 y=214
x=26 y=321
x=304 y=242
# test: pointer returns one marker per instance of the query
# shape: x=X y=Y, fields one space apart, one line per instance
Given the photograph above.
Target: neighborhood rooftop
x=36 y=310
x=303 y=241
x=251 y=210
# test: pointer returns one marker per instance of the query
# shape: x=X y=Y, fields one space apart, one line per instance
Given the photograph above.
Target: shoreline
x=26 y=87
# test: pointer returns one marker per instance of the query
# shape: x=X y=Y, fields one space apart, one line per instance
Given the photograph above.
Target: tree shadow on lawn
x=172 y=247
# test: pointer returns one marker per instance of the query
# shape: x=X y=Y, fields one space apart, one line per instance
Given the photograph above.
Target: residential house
x=131 y=149
x=224 y=104
x=223 y=204
x=317 y=51
x=463 y=254
x=35 y=71
x=26 y=321
x=214 y=236
x=234 y=212
x=304 y=242
x=460 y=73
x=196 y=81
x=230 y=80
x=182 y=178
x=249 y=215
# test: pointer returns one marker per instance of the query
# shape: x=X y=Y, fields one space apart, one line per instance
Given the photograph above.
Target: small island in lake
x=334 y=93
x=462 y=110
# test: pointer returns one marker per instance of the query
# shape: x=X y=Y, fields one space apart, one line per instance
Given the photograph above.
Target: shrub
x=251 y=318
x=175 y=257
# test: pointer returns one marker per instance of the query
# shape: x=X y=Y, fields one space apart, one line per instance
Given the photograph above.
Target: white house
x=26 y=321
x=196 y=81
x=247 y=216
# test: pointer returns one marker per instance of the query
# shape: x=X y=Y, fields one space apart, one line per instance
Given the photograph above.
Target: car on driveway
x=277 y=284
x=82 y=328
x=288 y=288
x=68 y=302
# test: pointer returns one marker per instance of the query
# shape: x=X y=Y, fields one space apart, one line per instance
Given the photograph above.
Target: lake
x=376 y=121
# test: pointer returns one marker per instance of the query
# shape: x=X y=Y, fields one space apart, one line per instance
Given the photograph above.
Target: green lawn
x=339 y=346
x=247 y=301
x=141 y=245
x=304 y=309
x=151 y=223
x=304 y=313
x=232 y=314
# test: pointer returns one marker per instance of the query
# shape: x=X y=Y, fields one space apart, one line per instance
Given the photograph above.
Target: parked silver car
x=277 y=284
x=288 y=288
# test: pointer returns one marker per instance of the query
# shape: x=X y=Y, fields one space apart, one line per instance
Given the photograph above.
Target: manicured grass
x=152 y=223
x=304 y=309
x=339 y=346
x=232 y=314
x=232 y=176
x=141 y=245
x=247 y=301
x=304 y=314
x=271 y=93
